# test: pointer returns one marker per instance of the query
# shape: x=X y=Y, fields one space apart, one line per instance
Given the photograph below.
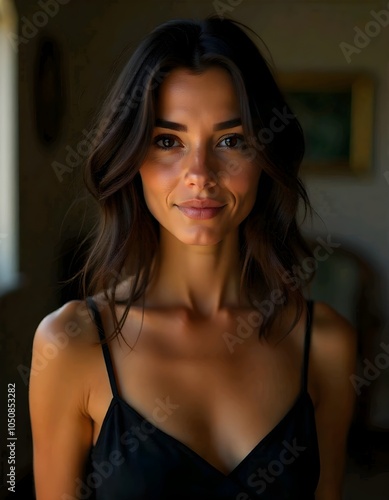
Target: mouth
x=200 y=213
x=201 y=203
x=201 y=208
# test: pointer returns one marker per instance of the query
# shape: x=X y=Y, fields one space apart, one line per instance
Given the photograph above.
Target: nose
x=198 y=171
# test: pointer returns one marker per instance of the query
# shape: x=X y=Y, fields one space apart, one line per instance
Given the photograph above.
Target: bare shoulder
x=72 y=319
x=64 y=341
x=60 y=384
x=334 y=334
x=65 y=356
x=333 y=348
x=68 y=328
x=333 y=362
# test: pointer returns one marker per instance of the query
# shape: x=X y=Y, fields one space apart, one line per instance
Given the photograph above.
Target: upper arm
x=61 y=430
x=334 y=352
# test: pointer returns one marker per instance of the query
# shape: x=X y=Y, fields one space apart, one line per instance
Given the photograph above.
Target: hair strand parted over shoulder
x=126 y=239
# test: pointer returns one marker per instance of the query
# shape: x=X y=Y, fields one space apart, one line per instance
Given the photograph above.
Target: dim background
x=46 y=112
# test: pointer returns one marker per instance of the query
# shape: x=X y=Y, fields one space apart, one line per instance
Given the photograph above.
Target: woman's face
x=197 y=180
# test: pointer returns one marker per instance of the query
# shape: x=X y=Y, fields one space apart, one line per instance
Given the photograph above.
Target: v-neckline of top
x=190 y=451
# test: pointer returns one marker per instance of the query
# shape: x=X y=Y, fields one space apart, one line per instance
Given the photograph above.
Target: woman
x=202 y=388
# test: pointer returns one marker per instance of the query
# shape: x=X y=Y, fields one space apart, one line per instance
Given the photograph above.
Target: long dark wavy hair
x=125 y=239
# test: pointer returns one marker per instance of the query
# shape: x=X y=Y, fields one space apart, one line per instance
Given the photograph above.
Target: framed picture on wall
x=336 y=114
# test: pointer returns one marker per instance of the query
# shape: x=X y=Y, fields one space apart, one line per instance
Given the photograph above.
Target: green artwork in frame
x=336 y=114
x=325 y=119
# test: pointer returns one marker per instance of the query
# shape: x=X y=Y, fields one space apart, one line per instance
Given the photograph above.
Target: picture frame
x=335 y=111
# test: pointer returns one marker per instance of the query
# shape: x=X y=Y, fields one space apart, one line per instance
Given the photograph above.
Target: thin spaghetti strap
x=106 y=353
x=307 y=344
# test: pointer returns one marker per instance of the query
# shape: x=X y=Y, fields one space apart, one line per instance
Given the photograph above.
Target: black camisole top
x=134 y=459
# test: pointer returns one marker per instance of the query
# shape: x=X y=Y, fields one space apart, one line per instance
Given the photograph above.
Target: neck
x=203 y=279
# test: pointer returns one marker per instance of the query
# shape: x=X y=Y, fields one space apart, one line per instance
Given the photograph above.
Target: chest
x=186 y=379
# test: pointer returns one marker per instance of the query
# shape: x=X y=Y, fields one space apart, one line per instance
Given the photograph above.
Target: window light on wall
x=9 y=251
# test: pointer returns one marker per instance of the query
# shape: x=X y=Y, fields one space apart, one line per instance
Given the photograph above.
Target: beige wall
x=300 y=35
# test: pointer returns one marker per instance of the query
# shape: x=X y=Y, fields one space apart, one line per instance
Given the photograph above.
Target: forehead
x=186 y=91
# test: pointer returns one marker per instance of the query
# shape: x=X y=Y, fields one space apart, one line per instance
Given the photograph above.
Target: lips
x=201 y=203
x=200 y=209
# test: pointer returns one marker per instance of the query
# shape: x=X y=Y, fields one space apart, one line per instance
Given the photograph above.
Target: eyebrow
x=159 y=122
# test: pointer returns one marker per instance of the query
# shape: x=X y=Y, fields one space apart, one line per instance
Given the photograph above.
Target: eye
x=166 y=141
x=234 y=141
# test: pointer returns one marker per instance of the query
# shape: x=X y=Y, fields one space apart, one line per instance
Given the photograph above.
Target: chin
x=200 y=238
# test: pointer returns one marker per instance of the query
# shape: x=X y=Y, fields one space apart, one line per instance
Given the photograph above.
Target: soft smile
x=200 y=213
x=200 y=208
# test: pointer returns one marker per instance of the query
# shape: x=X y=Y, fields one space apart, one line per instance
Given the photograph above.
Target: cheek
x=244 y=187
x=242 y=182
x=157 y=185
